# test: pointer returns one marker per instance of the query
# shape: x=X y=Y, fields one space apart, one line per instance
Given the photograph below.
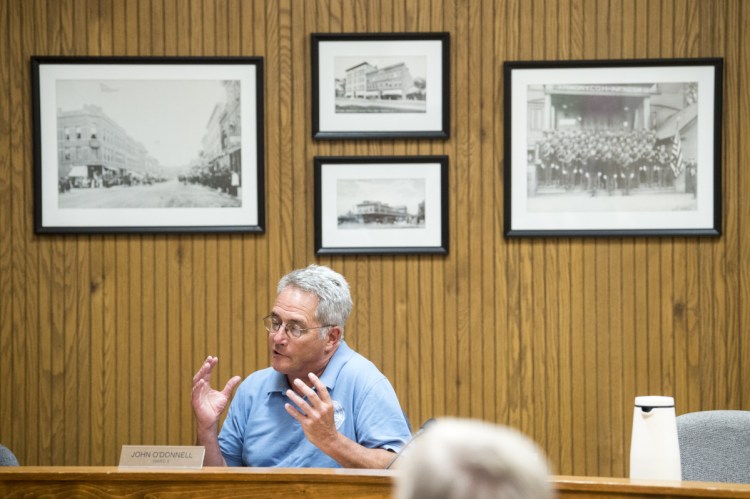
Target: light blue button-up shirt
x=259 y=432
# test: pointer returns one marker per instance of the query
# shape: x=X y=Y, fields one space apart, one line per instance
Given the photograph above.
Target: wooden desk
x=263 y=483
x=583 y=487
x=260 y=483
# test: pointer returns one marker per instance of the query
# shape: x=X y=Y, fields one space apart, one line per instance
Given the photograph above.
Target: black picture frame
x=148 y=144
x=613 y=147
x=381 y=205
x=380 y=85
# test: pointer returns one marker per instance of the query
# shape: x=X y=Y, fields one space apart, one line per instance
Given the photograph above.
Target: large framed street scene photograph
x=389 y=85
x=148 y=144
x=377 y=205
x=613 y=148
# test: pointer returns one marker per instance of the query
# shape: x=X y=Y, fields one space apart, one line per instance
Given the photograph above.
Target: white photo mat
x=363 y=47
x=52 y=216
x=429 y=237
x=523 y=219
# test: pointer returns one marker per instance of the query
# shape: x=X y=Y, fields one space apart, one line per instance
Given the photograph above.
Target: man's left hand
x=314 y=414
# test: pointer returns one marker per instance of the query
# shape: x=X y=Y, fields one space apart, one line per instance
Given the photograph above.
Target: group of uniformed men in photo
x=605 y=160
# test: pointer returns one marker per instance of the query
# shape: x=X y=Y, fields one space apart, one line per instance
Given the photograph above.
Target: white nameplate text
x=183 y=457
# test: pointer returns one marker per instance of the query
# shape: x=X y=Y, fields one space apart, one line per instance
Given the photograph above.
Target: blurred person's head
x=469 y=459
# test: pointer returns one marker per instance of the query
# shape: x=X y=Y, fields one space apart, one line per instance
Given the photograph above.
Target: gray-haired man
x=320 y=404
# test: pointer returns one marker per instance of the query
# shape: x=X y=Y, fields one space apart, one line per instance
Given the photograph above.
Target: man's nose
x=279 y=336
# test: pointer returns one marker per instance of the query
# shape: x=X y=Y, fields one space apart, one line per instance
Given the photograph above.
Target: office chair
x=6 y=457
x=715 y=446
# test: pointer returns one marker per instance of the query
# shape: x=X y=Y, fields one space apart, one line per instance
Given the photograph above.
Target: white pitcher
x=654 y=447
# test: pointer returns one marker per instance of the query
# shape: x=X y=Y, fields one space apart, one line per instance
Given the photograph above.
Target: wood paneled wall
x=100 y=335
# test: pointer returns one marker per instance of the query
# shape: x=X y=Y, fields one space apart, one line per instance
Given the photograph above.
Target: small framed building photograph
x=386 y=85
x=613 y=148
x=148 y=144
x=375 y=205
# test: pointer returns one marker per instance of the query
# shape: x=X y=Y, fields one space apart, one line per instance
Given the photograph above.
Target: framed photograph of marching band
x=148 y=144
x=613 y=148
x=376 y=205
x=389 y=85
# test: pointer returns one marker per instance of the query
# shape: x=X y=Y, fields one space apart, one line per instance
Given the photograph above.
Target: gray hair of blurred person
x=461 y=459
x=332 y=290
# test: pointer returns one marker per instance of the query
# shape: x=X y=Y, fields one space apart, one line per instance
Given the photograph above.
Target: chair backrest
x=715 y=446
x=6 y=457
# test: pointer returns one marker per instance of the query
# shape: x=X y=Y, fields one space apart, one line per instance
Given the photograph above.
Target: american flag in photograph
x=677 y=164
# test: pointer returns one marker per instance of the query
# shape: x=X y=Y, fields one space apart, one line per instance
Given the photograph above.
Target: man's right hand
x=208 y=404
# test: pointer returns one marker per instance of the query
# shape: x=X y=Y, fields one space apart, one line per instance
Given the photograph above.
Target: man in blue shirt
x=320 y=404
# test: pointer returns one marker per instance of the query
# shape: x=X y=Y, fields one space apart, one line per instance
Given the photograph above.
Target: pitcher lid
x=654 y=401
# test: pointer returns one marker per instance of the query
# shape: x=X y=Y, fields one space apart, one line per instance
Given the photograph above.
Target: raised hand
x=315 y=414
x=316 y=417
x=208 y=404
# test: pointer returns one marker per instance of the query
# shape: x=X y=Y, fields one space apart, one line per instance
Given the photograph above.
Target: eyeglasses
x=273 y=325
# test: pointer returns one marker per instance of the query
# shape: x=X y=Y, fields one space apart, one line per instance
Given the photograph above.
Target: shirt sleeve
x=380 y=421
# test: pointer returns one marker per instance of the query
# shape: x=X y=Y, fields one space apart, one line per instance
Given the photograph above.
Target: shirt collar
x=340 y=357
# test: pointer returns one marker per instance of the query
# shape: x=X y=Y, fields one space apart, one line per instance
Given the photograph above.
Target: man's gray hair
x=332 y=290
x=461 y=458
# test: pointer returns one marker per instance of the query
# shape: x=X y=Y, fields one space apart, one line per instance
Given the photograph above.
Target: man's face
x=296 y=357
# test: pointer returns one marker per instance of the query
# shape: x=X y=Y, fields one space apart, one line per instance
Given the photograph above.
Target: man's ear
x=333 y=337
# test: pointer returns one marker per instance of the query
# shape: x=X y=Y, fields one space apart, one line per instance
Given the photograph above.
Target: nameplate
x=182 y=457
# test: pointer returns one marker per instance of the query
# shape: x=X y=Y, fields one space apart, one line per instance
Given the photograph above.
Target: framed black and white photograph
x=613 y=148
x=148 y=144
x=389 y=204
x=387 y=85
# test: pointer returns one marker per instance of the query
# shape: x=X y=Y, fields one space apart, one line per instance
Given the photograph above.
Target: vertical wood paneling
x=499 y=254
x=106 y=411
x=7 y=343
x=629 y=309
x=743 y=130
x=472 y=221
x=302 y=242
x=732 y=195
x=489 y=170
x=99 y=335
x=462 y=207
x=67 y=360
x=95 y=298
x=156 y=340
x=510 y=266
x=142 y=350
x=444 y=362
x=22 y=264
x=73 y=270
x=414 y=342
x=562 y=455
